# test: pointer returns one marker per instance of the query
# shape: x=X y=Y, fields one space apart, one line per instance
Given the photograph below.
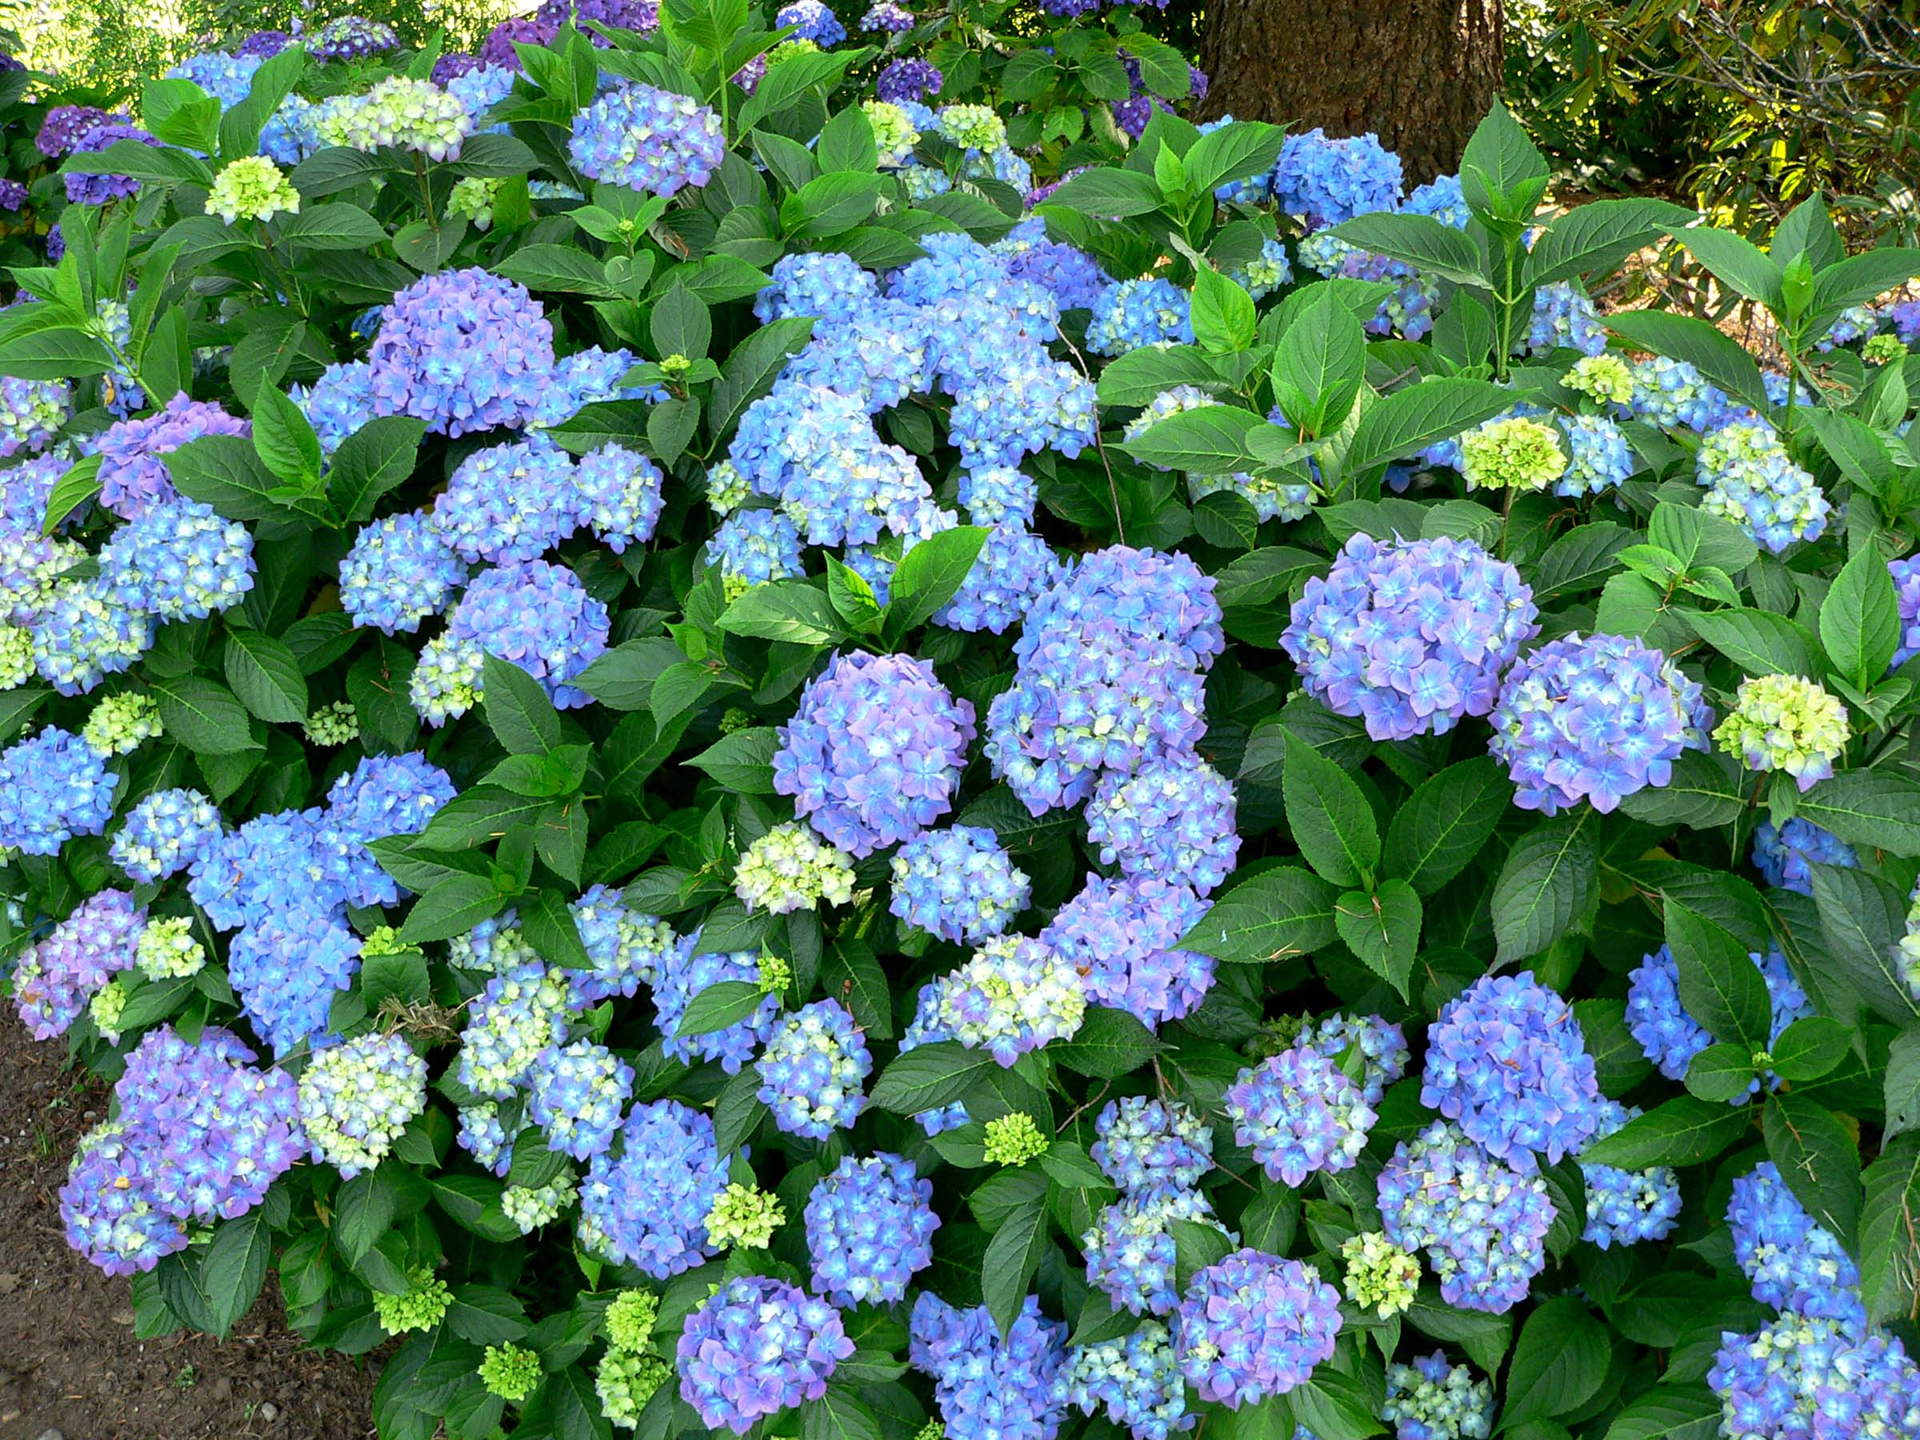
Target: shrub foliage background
x=1365 y=887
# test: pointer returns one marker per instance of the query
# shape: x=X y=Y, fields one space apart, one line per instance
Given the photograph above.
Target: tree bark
x=1418 y=73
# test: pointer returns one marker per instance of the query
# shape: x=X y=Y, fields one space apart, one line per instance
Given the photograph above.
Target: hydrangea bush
x=815 y=726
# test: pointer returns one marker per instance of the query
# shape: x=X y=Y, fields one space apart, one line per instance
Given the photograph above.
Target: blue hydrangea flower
x=1014 y=568
x=287 y=969
x=510 y=1025
x=576 y=1094
x=827 y=285
x=1073 y=277
x=1563 y=317
x=1595 y=718
x=814 y=21
x=1906 y=581
x=877 y=357
x=1671 y=1037
x=351 y=37
x=683 y=975
x=588 y=377
x=52 y=787
x=1014 y=995
x=619 y=496
x=178 y=560
x=1297 y=1114
x=1376 y=1045
x=1752 y=481
x=958 y=884
x=31 y=413
x=870 y=1227
x=987 y=1385
x=1135 y=1379
x=647 y=1206
x=1787 y=854
x=812 y=1070
x=1482 y=1224
x=1809 y=1379
x=537 y=616
x=55 y=979
x=1794 y=1263
x=269 y=864
x=1434 y=1399
x=1122 y=936
x=509 y=502
x=227 y=78
x=753 y=547
x=1625 y=1207
x=1322 y=181
x=482 y=1136
x=1002 y=495
x=647 y=139
x=338 y=403
x=1034 y=403
x=462 y=350
x=1598 y=458
x=1253 y=1325
x=754 y=1348
x=817 y=453
x=925 y=1029
x=1147 y=1145
x=84 y=635
x=1172 y=819
x=1671 y=393
x=626 y=948
x=1130 y=1250
x=399 y=572
x=164 y=834
x=874 y=754
x=1507 y=1060
x=1130 y=314
x=384 y=796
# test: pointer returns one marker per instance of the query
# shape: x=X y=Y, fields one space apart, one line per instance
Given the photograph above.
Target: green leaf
x=1558 y=1365
x=1758 y=641
x=1719 y=357
x=1443 y=825
x=1683 y=1131
x=398 y=975
x=1277 y=914
x=1856 y=280
x=266 y=677
x=1108 y=1045
x=1331 y=821
x=519 y=713
x=1013 y=1254
x=1333 y=1406
x=680 y=324
x=1421 y=241
x=742 y=761
x=928 y=577
x=1207 y=440
x=930 y=1076
x=1580 y=559
x=451 y=908
x=1383 y=929
x=1136 y=377
x=1867 y=808
x=1704 y=792
x=1719 y=985
x=1105 y=191
x=1903 y=1083
x=364 y=1209
x=1721 y=1072
x=1594 y=238
x=1500 y=167
x=790 y=610
x=1818 y=1159
x=1696 y=538
x=1669 y=1412
x=838 y=1415
x=1860 y=619
x=1320 y=364
x=1738 y=264
x=223 y=471
x=203 y=715
x=373 y=460
x=1863 y=918
x=723 y=1003
x=1890 y=1233
x=561 y=268
x=1223 y=319
x=234 y=1268
x=1233 y=152
x=332 y=227
x=76 y=487
x=1411 y=419
x=1547 y=883
x=1811 y=1047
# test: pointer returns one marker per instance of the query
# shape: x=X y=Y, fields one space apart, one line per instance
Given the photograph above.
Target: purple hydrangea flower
x=958 y=884
x=1172 y=819
x=986 y=1384
x=1297 y=1114
x=103 y=189
x=813 y=21
x=812 y=1070
x=1123 y=936
x=1625 y=1207
x=647 y=139
x=462 y=350
x=1378 y=1046
x=907 y=78
x=1130 y=1250
x=1794 y=1263
x=1254 y=1325
x=756 y=1347
x=56 y=978
x=287 y=970
x=1324 y=181
x=870 y=1227
x=1482 y=1224
x=133 y=473
x=1810 y=1379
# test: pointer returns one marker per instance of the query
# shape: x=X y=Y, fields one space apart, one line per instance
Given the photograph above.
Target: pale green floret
x=1883 y=349
x=744 y=1217
x=472 y=199
x=790 y=868
x=1014 y=1139
x=1512 y=454
x=1380 y=1275
x=630 y=1320
x=625 y=1382
x=252 y=188
x=894 y=134
x=727 y=488
x=530 y=1207
x=121 y=724
x=333 y=725
x=108 y=1004
x=166 y=950
x=1606 y=378
x=510 y=1371
x=16 y=656
x=1787 y=723
x=421 y=1307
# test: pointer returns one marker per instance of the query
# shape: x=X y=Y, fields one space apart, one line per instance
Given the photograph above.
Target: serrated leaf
x=1548 y=881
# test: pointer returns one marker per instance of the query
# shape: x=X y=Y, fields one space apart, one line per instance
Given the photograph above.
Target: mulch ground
x=69 y=1360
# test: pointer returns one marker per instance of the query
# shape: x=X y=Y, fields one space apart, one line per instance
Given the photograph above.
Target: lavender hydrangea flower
x=1130 y=1250
x=513 y=1022
x=52 y=787
x=384 y=796
x=532 y=614
x=1172 y=819
x=1012 y=996
x=1298 y=1113
x=647 y=1207
x=133 y=474
x=1135 y=1379
x=907 y=78
x=1625 y=1207
x=399 y=572
x=647 y=139
x=1482 y=1224
x=351 y=37
x=1508 y=1061
x=873 y=755
x=1410 y=636
x=83 y=189
x=55 y=979
x=576 y=1096
x=624 y=947
x=1253 y=1325
x=1122 y=937
x=1906 y=582
x=1671 y=1037
x=1597 y=719
x=1147 y=1145
x=870 y=1227
x=958 y=884
x=1807 y=1379
x=987 y=1384
x=757 y=1347
x=812 y=1070
x=1787 y=854
x=1379 y=1047
x=462 y=350
x=1794 y=1263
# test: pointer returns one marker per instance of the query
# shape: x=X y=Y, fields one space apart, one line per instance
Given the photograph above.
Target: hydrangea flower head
x=31 y=414
x=754 y=1348
x=1796 y=1375
x=1595 y=718
x=907 y=78
x=683 y=975
x=1013 y=996
x=1433 y=1399
x=1625 y=1207
x=1130 y=314
x=1148 y=1145
x=1669 y=393
x=121 y=724
x=625 y=948
x=509 y=502
x=401 y=112
x=1482 y=1224
x=648 y=1206
x=1380 y=1275
x=957 y=884
x=987 y=1384
x=1512 y=454
x=356 y=1098
x=812 y=1070
x=1135 y=1379
x=790 y=868
x=1752 y=481
x=511 y=1024
x=1323 y=181
x=178 y=560
x=55 y=979
x=1606 y=378
x=133 y=472
x=1130 y=1250
x=1298 y=1113
x=1378 y=1046
x=1123 y=937
x=252 y=188
x=874 y=754
x=53 y=786
x=1564 y=318
x=399 y=571
x=619 y=496
x=1014 y=1139
x=578 y=1091
x=462 y=350
x=1794 y=1263
x=647 y=139
x=753 y=547
x=351 y=37
x=1786 y=854
x=870 y=1227
x=287 y=970
x=1253 y=1325
x=744 y=1217
x=1786 y=723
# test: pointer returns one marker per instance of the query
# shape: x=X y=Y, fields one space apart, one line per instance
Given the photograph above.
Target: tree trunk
x=1418 y=73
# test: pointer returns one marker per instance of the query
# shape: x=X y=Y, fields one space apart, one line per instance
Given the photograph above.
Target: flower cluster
x=462 y=350
x=647 y=139
x=1803 y=1379
x=1751 y=480
x=1594 y=718
x=351 y=37
x=812 y=1070
x=1149 y=1146
x=1512 y=454
x=1434 y=1399
x=163 y=834
x=870 y=1227
x=55 y=979
x=52 y=787
x=647 y=1206
x=1786 y=723
x=1130 y=1250
x=1482 y=1224
x=356 y=1098
x=1135 y=1380
x=988 y=1384
x=1253 y=1325
x=1322 y=181
x=1380 y=1275
x=683 y=974
x=575 y=1095
x=1410 y=636
x=532 y=614
x=957 y=884
x=754 y=1348
x=790 y=868
x=1012 y=996
x=133 y=473
x=744 y=1217
x=1786 y=854
x=515 y=1020
x=1122 y=936
x=1794 y=1264
x=1173 y=818
x=1132 y=314
x=1298 y=1113
x=1625 y=1207
x=406 y=114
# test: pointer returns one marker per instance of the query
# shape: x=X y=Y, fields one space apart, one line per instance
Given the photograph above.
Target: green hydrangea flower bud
x=735 y=719
x=972 y=127
x=510 y=1371
x=419 y=1308
x=166 y=949
x=790 y=868
x=252 y=188
x=1014 y=1139
x=630 y=1320
x=333 y=725
x=472 y=199
x=744 y=1217
x=405 y=113
x=1883 y=349
x=625 y=1382
x=106 y=1007
x=932 y=1430
x=16 y=656
x=121 y=724
x=790 y=50
x=893 y=131
x=775 y=974
x=1380 y=1274
x=1512 y=454
x=530 y=1207
x=1606 y=378
x=1787 y=723
x=726 y=488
